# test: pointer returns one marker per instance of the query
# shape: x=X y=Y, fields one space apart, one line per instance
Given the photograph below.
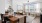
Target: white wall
x=20 y=2
x=41 y=6
x=37 y=6
x=16 y=2
x=2 y=6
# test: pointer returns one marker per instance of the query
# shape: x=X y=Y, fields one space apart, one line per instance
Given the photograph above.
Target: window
x=30 y=8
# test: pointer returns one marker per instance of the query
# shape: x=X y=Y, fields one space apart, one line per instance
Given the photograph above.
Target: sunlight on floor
x=30 y=19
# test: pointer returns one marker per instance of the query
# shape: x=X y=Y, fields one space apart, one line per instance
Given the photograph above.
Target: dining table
x=17 y=19
x=13 y=19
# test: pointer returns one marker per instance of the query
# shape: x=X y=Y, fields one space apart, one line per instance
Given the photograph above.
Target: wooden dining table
x=22 y=18
x=13 y=19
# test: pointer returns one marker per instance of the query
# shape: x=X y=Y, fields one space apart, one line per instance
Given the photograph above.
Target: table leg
x=25 y=19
